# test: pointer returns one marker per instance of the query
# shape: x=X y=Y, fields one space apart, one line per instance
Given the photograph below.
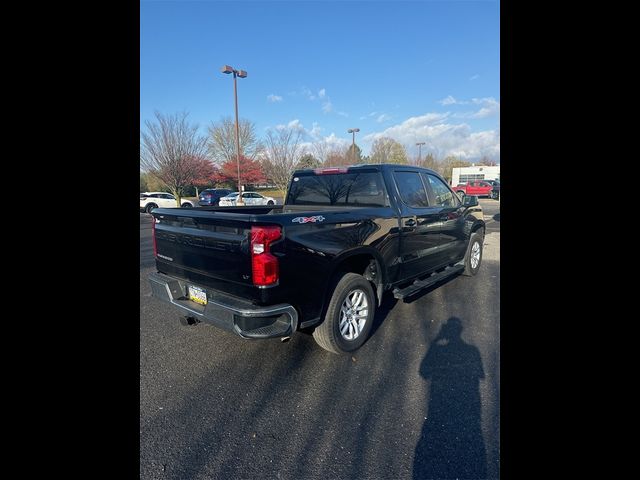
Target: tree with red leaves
x=250 y=172
x=205 y=172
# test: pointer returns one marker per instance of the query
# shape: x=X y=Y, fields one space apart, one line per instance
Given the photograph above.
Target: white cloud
x=295 y=124
x=314 y=135
x=448 y=100
x=483 y=101
x=343 y=114
x=489 y=107
x=443 y=138
x=274 y=98
x=475 y=77
x=332 y=140
x=382 y=118
x=315 y=130
x=322 y=93
x=327 y=106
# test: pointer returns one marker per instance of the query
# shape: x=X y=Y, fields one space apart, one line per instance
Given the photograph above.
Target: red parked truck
x=478 y=188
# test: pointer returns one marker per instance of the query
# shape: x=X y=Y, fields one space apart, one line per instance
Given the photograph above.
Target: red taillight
x=330 y=170
x=263 y=264
x=153 y=234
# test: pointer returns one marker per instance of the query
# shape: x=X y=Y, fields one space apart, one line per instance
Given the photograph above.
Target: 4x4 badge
x=317 y=218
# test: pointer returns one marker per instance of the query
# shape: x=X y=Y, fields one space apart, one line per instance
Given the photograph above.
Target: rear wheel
x=270 y=202
x=473 y=258
x=349 y=318
x=150 y=207
x=187 y=205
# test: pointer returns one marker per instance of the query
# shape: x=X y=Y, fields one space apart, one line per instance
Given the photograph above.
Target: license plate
x=197 y=295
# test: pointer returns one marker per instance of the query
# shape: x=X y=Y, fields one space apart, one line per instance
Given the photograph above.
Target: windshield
x=358 y=189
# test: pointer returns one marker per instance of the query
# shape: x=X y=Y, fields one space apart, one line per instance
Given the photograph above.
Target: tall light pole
x=241 y=74
x=353 y=142
x=419 y=151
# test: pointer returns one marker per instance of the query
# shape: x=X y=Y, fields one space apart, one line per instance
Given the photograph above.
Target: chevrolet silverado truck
x=321 y=262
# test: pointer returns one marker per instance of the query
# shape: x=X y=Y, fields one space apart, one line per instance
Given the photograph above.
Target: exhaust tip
x=285 y=339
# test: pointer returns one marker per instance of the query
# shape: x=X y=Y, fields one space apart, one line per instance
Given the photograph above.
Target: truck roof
x=377 y=166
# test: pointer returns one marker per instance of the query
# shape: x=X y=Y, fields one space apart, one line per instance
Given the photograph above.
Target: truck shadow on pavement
x=451 y=445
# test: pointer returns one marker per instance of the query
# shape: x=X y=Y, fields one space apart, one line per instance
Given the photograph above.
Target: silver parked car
x=249 y=198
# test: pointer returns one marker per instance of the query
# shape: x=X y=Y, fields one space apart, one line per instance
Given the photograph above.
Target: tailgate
x=203 y=246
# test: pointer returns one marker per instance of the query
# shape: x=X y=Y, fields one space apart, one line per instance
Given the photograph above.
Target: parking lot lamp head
x=353 y=143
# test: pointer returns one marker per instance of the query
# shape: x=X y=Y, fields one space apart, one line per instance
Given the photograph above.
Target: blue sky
x=414 y=71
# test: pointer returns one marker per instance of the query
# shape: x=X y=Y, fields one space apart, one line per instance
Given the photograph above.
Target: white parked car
x=151 y=200
x=249 y=198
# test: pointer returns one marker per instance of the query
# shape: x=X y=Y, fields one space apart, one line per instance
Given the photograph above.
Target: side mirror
x=470 y=201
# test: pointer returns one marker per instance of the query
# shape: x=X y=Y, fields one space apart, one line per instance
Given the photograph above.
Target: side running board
x=427 y=282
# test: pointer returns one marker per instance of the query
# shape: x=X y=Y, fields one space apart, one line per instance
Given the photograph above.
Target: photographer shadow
x=451 y=445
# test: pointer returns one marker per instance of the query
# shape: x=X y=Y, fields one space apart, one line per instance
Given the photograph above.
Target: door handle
x=410 y=223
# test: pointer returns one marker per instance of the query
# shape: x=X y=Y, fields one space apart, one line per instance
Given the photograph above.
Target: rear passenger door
x=451 y=214
x=420 y=251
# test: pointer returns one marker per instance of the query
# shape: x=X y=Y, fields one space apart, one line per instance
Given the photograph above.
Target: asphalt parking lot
x=416 y=401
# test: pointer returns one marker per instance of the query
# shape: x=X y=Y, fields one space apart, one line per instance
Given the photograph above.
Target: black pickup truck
x=322 y=261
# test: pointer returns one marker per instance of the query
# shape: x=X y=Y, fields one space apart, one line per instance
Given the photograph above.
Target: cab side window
x=443 y=196
x=411 y=189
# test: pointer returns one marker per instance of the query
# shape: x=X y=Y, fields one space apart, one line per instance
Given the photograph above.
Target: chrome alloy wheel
x=475 y=255
x=353 y=314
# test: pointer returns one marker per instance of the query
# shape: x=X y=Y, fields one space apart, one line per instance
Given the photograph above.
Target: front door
x=451 y=214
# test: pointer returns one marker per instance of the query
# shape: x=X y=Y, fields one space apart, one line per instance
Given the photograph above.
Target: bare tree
x=381 y=150
x=282 y=154
x=171 y=148
x=445 y=168
x=429 y=161
x=320 y=150
x=487 y=161
x=336 y=156
x=222 y=140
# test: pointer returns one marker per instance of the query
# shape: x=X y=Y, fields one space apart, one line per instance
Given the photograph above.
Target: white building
x=470 y=174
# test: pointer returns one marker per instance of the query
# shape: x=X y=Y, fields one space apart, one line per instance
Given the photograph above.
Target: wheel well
x=366 y=265
x=477 y=228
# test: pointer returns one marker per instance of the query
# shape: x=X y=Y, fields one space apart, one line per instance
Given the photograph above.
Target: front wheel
x=473 y=258
x=349 y=318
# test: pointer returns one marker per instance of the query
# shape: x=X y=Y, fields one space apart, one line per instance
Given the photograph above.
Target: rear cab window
x=356 y=188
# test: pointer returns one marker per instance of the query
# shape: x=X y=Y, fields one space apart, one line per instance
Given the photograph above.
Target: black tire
x=477 y=237
x=270 y=203
x=327 y=334
x=150 y=207
x=187 y=205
